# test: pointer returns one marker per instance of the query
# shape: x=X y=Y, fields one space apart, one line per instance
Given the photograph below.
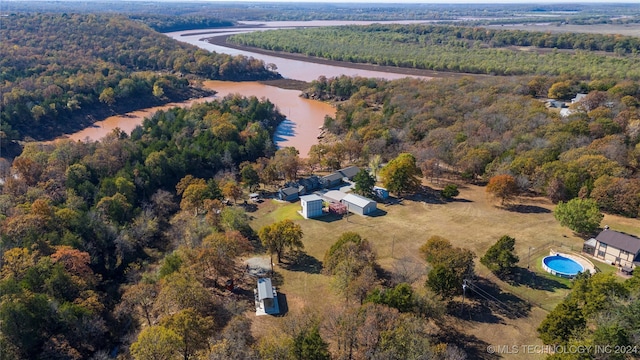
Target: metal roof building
x=359 y=205
x=266 y=298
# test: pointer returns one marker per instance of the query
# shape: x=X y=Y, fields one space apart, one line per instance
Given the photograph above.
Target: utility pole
x=464 y=293
x=393 y=245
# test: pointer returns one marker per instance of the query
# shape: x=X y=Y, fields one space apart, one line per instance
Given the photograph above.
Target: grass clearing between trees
x=473 y=221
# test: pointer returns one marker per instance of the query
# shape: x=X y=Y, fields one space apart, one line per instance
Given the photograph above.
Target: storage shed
x=381 y=192
x=266 y=298
x=359 y=205
x=311 y=206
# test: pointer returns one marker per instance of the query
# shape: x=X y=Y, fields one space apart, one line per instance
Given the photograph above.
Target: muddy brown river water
x=304 y=117
x=300 y=129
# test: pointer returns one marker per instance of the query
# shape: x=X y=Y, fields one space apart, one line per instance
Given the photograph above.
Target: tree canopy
x=450 y=265
x=579 y=215
x=401 y=174
x=59 y=69
x=500 y=257
x=280 y=236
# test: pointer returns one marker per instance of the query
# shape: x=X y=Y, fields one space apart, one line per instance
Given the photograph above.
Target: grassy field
x=472 y=221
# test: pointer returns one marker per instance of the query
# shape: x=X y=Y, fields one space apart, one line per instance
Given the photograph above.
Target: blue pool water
x=562 y=266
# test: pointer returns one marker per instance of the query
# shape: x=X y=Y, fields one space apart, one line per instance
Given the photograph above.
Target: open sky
x=438 y=1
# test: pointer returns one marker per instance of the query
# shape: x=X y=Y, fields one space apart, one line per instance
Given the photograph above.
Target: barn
x=359 y=205
x=311 y=206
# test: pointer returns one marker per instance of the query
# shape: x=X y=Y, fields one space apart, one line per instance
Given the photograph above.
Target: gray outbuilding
x=359 y=205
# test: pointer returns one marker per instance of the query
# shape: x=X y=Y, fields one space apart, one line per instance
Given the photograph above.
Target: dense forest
x=460 y=49
x=124 y=248
x=181 y=12
x=83 y=222
x=489 y=126
x=60 y=71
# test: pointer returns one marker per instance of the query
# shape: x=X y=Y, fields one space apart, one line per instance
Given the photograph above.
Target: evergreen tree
x=500 y=257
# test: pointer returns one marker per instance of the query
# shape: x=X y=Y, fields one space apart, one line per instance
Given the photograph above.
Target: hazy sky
x=440 y=1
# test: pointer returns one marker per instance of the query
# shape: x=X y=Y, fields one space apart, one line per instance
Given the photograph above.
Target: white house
x=311 y=206
x=266 y=298
x=359 y=205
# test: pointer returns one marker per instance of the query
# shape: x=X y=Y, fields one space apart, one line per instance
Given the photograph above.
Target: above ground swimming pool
x=561 y=266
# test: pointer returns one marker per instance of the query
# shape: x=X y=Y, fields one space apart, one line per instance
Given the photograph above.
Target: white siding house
x=311 y=206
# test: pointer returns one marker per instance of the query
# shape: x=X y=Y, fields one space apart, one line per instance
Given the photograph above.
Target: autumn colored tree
x=451 y=265
x=75 y=262
x=401 y=174
x=15 y=263
x=218 y=252
x=287 y=162
x=140 y=298
x=503 y=187
x=281 y=235
x=156 y=343
x=193 y=331
x=194 y=196
x=351 y=262
x=232 y=190
x=182 y=290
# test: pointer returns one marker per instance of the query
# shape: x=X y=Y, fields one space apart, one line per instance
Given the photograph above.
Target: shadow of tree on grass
x=499 y=302
x=301 y=261
x=522 y=276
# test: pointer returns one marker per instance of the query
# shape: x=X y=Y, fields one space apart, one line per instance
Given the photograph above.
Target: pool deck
x=586 y=264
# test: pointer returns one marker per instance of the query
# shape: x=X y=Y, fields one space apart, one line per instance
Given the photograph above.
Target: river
x=304 y=117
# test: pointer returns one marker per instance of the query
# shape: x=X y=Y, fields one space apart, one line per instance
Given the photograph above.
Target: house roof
x=357 y=200
x=312 y=197
x=289 y=190
x=265 y=289
x=620 y=241
x=349 y=172
x=310 y=183
x=334 y=195
x=333 y=177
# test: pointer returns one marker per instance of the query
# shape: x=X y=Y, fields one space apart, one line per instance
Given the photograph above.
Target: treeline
x=81 y=223
x=459 y=49
x=484 y=127
x=177 y=23
x=56 y=68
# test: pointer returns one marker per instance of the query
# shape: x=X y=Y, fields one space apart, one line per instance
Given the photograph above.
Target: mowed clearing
x=473 y=221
